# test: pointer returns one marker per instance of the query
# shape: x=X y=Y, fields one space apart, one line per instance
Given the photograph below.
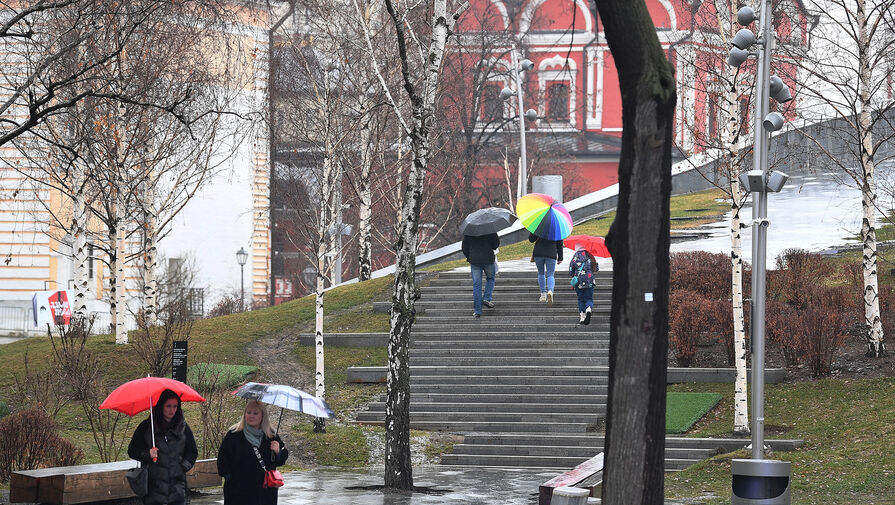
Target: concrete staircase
x=525 y=384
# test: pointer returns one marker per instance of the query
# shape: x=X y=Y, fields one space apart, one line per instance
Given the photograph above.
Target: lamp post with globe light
x=241 y=257
x=530 y=114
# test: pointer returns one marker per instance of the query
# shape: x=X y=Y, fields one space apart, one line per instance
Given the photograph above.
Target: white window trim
x=562 y=75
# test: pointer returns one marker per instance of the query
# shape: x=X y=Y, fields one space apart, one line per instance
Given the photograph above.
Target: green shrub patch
x=684 y=409
x=212 y=376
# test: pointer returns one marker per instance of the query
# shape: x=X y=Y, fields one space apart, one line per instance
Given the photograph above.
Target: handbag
x=272 y=478
x=138 y=478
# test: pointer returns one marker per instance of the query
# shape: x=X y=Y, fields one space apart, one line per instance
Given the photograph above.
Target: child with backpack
x=582 y=269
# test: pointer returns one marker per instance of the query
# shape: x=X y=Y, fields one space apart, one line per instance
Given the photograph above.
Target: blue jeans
x=548 y=264
x=585 y=298
x=477 y=270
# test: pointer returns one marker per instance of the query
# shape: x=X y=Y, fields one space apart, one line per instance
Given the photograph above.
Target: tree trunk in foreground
x=639 y=242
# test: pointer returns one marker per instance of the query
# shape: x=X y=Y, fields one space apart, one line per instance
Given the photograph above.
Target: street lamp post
x=241 y=257
x=759 y=479
x=530 y=114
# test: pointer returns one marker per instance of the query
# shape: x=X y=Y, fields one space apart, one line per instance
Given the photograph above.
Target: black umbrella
x=486 y=221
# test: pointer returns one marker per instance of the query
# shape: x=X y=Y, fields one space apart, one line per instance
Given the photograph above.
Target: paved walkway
x=466 y=486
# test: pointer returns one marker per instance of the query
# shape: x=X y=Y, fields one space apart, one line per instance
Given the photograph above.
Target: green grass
x=684 y=409
x=340 y=446
x=340 y=395
x=847 y=456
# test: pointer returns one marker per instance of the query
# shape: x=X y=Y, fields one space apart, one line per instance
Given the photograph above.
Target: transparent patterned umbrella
x=286 y=397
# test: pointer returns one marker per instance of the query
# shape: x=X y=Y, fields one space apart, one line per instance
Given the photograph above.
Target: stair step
x=556 y=380
x=530 y=353
x=528 y=370
x=489 y=426
x=476 y=335
x=544 y=389
x=576 y=451
x=485 y=346
x=671 y=464
x=419 y=406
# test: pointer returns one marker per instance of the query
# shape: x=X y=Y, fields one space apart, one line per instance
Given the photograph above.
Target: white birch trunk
x=729 y=143
x=323 y=221
x=79 y=242
x=150 y=257
x=365 y=210
x=120 y=273
x=875 y=345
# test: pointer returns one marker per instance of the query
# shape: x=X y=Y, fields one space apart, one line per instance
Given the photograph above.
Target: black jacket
x=480 y=250
x=177 y=453
x=242 y=472
x=546 y=248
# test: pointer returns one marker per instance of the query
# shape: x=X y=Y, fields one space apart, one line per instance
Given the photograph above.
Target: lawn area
x=684 y=409
x=847 y=456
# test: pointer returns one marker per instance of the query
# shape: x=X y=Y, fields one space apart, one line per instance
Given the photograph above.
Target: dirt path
x=279 y=365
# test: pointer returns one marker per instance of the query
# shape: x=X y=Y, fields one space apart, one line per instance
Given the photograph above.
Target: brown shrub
x=707 y=274
x=781 y=330
x=798 y=272
x=823 y=328
x=29 y=439
x=720 y=325
x=689 y=317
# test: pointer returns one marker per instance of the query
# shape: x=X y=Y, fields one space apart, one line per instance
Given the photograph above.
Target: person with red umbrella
x=582 y=268
x=165 y=445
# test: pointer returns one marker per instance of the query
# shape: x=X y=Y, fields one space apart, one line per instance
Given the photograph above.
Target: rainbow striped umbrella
x=544 y=216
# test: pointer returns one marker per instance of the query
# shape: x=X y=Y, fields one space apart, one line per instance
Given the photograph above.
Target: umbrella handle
x=152 y=427
x=277 y=432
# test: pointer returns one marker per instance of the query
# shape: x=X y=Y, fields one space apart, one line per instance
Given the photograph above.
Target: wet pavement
x=447 y=485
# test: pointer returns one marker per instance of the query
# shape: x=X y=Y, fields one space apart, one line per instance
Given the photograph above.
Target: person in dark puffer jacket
x=175 y=452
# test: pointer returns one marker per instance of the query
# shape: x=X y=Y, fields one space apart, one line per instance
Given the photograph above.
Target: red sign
x=51 y=307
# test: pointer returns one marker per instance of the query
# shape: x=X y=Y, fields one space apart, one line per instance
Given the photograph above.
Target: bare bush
x=701 y=272
x=781 y=328
x=29 y=439
x=797 y=274
x=40 y=388
x=153 y=344
x=823 y=329
x=688 y=318
x=720 y=325
x=226 y=306
x=215 y=412
x=80 y=373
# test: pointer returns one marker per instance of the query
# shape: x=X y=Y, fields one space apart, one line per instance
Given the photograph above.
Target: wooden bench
x=587 y=475
x=91 y=483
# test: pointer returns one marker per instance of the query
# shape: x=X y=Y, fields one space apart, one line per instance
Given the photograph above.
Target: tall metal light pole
x=241 y=257
x=757 y=478
x=530 y=114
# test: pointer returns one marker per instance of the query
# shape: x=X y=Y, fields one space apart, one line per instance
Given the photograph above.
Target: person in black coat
x=546 y=255
x=239 y=465
x=172 y=456
x=479 y=252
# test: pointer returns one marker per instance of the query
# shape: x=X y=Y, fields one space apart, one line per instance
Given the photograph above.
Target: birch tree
x=848 y=76
x=420 y=71
x=719 y=133
x=639 y=241
x=134 y=155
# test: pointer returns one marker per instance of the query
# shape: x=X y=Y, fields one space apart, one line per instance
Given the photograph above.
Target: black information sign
x=178 y=361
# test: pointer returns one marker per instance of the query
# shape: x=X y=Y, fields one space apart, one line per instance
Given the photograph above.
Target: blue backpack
x=582 y=271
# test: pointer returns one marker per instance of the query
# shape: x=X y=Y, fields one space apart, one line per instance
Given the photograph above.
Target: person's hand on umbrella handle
x=153 y=453
x=275 y=446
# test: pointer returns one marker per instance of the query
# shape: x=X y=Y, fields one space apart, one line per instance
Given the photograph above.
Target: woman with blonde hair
x=248 y=450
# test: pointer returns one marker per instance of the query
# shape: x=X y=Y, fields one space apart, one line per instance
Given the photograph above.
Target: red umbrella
x=593 y=245
x=138 y=395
